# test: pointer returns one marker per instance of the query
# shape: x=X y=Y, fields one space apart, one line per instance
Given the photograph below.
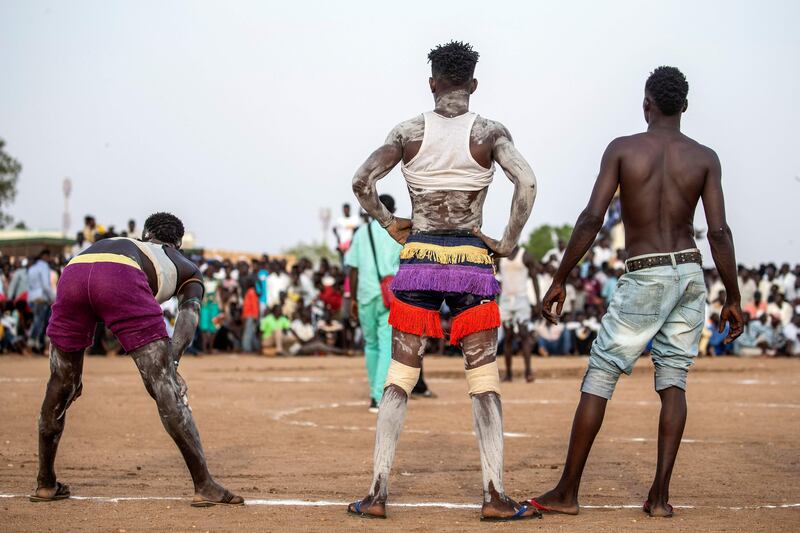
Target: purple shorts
x=114 y=293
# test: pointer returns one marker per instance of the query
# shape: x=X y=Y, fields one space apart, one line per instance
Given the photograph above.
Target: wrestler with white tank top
x=447 y=157
x=444 y=161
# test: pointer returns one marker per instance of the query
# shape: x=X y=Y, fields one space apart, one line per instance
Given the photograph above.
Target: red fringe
x=475 y=319
x=415 y=320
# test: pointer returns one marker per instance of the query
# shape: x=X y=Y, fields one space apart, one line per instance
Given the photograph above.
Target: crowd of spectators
x=770 y=298
x=292 y=306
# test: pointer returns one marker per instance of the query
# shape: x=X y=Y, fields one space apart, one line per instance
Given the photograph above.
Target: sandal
x=62 y=493
x=355 y=510
x=517 y=516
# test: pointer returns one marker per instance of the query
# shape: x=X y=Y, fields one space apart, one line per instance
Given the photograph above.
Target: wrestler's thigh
x=480 y=348
x=407 y=348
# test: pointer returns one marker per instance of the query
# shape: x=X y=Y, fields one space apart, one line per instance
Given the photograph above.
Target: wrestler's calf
x=63 y=388
x=483 y=379
x=155 y=364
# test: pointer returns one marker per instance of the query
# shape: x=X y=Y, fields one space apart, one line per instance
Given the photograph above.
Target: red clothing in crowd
x=250 y=306
x=332 y=298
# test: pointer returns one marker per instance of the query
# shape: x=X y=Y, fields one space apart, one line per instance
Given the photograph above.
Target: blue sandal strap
x=521 y=511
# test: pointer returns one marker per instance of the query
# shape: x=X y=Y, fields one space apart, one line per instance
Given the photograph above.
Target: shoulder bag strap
x=374 y=254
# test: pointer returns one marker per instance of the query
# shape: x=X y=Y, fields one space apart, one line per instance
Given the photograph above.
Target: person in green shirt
x=272 y=327
x=366 y=271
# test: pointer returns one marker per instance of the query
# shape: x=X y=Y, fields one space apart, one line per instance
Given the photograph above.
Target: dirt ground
x=298 y=429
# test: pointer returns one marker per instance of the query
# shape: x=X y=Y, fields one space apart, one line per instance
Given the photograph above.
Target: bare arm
x=521 y=175
x=375 y=168
x=721 y=240
x=189 y=300
x=190 y=295
x=589 y=223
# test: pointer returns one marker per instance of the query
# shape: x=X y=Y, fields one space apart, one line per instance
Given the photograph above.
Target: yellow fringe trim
x=446 y=255
x=104 y=258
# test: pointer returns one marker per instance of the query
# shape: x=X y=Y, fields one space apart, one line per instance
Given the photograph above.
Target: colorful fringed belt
x=446 y=263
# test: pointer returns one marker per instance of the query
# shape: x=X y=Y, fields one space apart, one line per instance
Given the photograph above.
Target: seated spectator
x=757 y=307
x=780 y=308
x=331 y=329
x=583 y=330
x=716 y=345
x=553 y=339
x=303 y=338
x=757 y=337
x=272 y=330
x=301 y=332
x=229 y=336
x=791 y=336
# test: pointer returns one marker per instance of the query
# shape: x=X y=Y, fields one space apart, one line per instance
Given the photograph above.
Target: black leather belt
x=664 y=260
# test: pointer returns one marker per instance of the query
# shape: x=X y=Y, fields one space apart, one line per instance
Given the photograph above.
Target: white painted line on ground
x=683 y=441
x=769 y=405
x=439 y=505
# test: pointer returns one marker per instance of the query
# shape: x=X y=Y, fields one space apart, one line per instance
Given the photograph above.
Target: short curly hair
x=165 y=227
x=454 y=62
x=669 y=88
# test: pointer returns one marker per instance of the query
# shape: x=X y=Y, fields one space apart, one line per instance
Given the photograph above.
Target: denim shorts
x=665 y=304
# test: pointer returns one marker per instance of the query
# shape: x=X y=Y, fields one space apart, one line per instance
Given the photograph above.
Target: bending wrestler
x=121 y=282
x=448 y=158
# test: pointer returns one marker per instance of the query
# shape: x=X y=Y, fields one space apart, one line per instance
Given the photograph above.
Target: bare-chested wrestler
x=662 y=175
x=121 y=282
x=447 y=158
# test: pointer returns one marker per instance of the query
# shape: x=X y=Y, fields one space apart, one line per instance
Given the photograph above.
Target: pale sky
x=245 y=118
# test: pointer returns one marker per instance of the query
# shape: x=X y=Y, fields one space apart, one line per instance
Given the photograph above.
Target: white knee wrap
x=485 y=378
x=401 y=375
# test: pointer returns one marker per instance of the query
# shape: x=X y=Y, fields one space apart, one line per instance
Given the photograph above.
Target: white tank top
x=166 y=271
x=514 y=275
x=444 y=161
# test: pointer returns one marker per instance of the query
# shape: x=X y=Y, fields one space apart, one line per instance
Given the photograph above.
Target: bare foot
x=507 y=377
x=658 y=510
x=215 y=494
x=553 y=502
x=368 y=508
x=530 y=378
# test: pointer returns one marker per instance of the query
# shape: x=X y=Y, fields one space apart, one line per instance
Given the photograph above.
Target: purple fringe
x=446 y=278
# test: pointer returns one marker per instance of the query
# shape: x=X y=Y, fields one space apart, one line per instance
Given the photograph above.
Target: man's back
x=661 y=174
